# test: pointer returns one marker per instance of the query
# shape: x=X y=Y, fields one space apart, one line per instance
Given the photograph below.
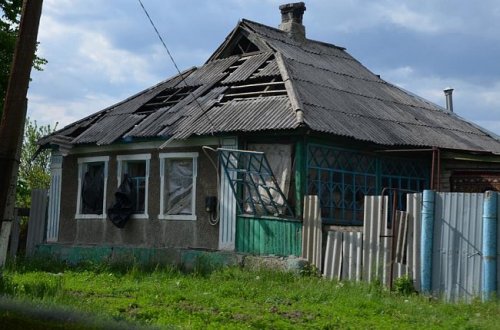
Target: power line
x=175 y=64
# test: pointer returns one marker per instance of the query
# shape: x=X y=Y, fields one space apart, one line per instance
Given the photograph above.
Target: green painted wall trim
x=75 y=254
x=188 y=259
x=268 y=236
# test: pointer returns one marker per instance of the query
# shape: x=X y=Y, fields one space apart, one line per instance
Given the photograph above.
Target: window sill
x=90 y=216
x=139 y=216
x=190 y=217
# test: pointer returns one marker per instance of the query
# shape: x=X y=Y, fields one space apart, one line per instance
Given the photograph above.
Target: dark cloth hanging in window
x=93 y=190
x=124 y=205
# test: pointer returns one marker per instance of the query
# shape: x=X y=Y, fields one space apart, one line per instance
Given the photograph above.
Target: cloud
x=399 y=14
x=479 y=103
x=102 y=51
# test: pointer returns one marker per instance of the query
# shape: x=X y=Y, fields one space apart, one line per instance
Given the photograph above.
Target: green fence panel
x=268 y=236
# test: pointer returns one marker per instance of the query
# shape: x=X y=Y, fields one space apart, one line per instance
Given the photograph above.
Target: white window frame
x=82 y=161
x=170 y=155
x=120 y=159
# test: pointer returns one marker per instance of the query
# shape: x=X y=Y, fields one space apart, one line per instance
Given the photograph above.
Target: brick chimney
x=291 y=20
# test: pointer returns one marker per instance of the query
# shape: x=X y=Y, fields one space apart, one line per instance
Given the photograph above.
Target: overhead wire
x=175 y=65
x=214 y=219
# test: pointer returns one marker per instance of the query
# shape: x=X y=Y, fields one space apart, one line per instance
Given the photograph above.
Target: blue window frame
x=341 y=178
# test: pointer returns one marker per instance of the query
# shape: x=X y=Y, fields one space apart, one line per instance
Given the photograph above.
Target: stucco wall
x=150 y=232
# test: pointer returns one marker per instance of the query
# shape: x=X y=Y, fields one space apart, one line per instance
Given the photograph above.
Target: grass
x=231 y=298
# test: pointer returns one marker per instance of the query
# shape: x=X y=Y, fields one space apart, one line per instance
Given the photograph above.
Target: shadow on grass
x=15 y=314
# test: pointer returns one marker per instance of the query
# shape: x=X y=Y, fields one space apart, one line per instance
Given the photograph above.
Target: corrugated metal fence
x=312 y=233
x=457 y=239
x=368 y=255
x=457 y=246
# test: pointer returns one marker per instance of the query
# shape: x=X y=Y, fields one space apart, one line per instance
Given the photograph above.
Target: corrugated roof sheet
x=338 y=95
x=271 y=69
x=108 y=129
x=266 y=113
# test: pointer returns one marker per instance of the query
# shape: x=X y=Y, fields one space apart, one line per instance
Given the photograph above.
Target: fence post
x=489 y=245
x=428 y=203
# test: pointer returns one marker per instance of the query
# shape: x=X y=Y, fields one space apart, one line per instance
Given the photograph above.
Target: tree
x=9 y=28
x=34 y=168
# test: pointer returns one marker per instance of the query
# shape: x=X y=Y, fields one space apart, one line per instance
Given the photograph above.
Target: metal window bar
x=253 y=183
x=341 y=176
x=139 y=184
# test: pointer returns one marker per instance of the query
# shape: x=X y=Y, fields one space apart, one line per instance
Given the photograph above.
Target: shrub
x=404 y=285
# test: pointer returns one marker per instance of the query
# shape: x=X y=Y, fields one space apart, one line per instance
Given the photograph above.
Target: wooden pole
x=14 y=112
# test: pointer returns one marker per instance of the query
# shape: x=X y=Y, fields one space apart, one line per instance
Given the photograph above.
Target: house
x=221 y=155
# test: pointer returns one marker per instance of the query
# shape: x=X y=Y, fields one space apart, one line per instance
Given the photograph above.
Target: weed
x=310 y=270
x=404 y=285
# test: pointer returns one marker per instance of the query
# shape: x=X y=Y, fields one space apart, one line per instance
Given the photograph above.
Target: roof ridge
x=244 y=20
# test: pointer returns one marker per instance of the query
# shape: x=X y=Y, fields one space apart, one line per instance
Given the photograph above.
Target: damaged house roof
x=262 y=79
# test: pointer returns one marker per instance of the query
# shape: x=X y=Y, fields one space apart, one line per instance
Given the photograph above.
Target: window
x=178 y=185
x=92 y=183
x=341 y=178
x=137 y=168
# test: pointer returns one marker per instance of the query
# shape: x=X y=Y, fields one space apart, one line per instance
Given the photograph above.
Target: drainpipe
x=448 y=93
x=428 y=202
x=489 y=245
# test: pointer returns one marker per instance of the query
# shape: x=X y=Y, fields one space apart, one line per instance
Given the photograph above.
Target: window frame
x=178 y=155
x=120 y=159
x=84 y=160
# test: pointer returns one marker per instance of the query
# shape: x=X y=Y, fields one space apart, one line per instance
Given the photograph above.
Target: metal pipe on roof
x=448 y=92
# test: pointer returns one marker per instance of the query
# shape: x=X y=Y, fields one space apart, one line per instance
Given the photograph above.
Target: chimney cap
x=294 y=5
x=448 y=90
x=292 y=12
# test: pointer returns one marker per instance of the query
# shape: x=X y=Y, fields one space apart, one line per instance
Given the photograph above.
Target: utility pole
x=14 y=111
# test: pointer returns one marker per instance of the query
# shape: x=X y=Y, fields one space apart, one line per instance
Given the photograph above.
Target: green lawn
x=233 y=298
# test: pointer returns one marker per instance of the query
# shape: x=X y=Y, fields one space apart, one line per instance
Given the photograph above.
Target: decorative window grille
x=341 y=178
x=253 y=183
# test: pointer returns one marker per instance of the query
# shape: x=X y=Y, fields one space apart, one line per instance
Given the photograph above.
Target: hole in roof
x=166 y=98
x=243 y=46
x=253 y=88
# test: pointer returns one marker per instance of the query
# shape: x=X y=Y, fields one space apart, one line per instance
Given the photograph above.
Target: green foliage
x=404 y=285
x=9 y=27
x=34 y=172
x=310 y=270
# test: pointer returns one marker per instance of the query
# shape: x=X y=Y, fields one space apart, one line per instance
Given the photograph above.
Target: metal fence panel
x=414 y=209
x=333 y=256
x=374 y=245
x=352 y=250
x=343 y=256
x=312 y=233
x=36 y=224
x=456 y=265
x=268 y=236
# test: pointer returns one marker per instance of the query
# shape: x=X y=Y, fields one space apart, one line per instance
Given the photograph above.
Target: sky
x=101 y=52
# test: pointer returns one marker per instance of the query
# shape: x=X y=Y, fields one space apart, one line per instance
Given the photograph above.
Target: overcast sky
x=100 y=52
